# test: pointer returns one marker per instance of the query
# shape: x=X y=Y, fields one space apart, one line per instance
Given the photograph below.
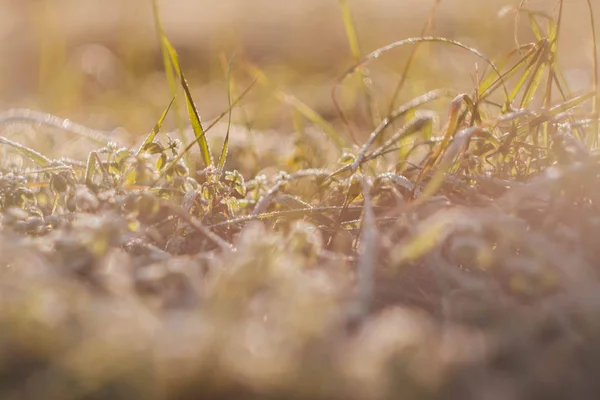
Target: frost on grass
x=434 y=259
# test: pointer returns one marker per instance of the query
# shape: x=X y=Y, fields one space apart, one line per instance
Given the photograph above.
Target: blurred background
x=98 y=61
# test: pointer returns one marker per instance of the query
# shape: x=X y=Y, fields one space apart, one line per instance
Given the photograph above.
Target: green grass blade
x=189 y=146
x=191 y=107
x=411 y=57
x=156 y=128
x=534 y=83
x=352 y=36
x=491 y=81
x=223 y=156
x=171 y=79
x=556 y=110
x=414 y=40
x=350 y=30
x=451 y=128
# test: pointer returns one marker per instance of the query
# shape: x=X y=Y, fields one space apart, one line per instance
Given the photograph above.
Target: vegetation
x=400 y=252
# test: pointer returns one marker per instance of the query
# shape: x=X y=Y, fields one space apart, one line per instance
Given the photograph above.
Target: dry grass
x=429 y=233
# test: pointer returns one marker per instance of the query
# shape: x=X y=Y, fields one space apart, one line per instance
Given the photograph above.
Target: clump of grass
x=434 y=259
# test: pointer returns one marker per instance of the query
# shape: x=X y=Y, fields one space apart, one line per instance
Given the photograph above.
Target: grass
x=389 y=252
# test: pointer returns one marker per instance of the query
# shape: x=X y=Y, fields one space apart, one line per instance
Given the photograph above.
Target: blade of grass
x=491 y=81
x=37 y=117
x=189 y=146
x=352 y=36
x=593 y=139
x=191 y=107
x=301 y=107
x=227 y=67
x=415 y=40
x=460 y=141
x=411 y=56
x=451 y=128
x=33 y=155
x=168 y=70
x=413 y=126
x=156 y=128
x=399 y=112
x=367 y=256
x=534 y=83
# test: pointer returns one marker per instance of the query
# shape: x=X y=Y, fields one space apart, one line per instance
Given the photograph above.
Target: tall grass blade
x=189 y=146
x=223 y=156
x=191 y=107
x=415 y=40
x=411 y=56
x=491 y=81
x=593 y=138
x=352 y=36
x=171 y=78
x=156 y=128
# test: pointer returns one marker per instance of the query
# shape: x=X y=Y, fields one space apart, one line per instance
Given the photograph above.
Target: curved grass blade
x=461 y=141
x=37 y=117
x=451 y=128
x=379 y=52
x=33 y=155
x=191 y=107
x=168 y=70
x=156 y=128
x=399 y=112
x=414 y=40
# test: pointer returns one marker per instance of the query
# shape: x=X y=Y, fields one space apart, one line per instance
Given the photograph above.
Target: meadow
x=317 y=200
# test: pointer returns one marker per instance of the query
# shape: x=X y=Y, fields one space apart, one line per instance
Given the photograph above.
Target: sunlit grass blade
x=399 y=112
x=492 y=81
x=411 y=57
x=53 y=121
x=352 y=37
x=157 y=127
x=533 y=64
x=208 y=128
x=171 y=78
x=412 y=127
x=592 y=140
x=199 y=133
x=350 y=29
x=415 y=40
x=558 y=109
x=538 y=70
x=460 y=141
x=33 y=155
x=299 y=106
x=223 y=156
x=451 y=128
